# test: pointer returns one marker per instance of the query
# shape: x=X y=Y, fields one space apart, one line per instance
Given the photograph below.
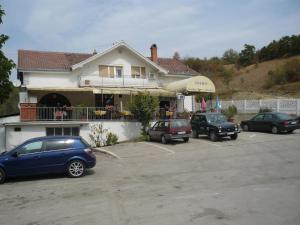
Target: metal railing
x=115 y=81
x=86 y=114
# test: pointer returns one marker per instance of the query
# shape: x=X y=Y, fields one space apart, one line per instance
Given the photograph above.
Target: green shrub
x=264 y=109
x=230 y=111
x=111 y=139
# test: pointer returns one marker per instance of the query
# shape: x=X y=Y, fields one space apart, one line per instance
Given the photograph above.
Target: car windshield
x=283 y=116
x=216 y=118
x=179 y=123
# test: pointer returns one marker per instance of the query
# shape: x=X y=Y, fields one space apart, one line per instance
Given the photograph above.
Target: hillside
x=248 y=82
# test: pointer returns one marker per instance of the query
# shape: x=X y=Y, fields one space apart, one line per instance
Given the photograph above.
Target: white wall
x=124 y=130
x=10 y=119
x=49 y=79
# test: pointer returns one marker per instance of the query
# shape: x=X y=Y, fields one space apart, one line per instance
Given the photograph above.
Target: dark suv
x=170 y=129
x=47 y=155
x=215 y=125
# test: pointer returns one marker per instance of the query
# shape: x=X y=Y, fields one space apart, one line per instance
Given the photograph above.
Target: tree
x=247 y=55
x=176 y=56
x=6 y=65
x=230 y=56
x=143 y=107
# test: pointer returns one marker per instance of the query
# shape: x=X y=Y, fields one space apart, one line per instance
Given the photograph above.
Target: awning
x=192 y=85
x=134 y=91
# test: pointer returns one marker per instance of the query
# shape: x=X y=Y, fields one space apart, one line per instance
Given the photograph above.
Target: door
x=56 y=153
x=202 y=124
x=267 y=122
x=27 y=161
x=153 y=132
x=257 y=122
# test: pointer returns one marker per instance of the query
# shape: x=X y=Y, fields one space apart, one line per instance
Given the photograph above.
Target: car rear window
x=284 y=116
x=85 y=143
x=179 y=123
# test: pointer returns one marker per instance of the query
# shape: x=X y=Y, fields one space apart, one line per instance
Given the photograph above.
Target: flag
x=218 y=105
x=203 y=105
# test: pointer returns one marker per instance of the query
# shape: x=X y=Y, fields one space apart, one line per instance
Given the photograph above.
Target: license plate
x=230 y=133
x=293 y=122
x=181 y=132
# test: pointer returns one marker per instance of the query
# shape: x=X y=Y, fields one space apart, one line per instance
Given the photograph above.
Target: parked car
x=170 y=129
x=271 y=121
x=215 y=125
x=46 y=155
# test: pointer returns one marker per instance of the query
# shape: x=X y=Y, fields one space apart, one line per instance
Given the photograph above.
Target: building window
x=62 y=131
x=17 y=129
x=110 y=71
x=119 y=71
x=138 y=72
x=151 y=76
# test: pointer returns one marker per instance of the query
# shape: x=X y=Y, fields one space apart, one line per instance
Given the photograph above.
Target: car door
x=202 y=124
x=153 y=132
x=256 y=123
x=26 y=160
x=56 y=153
x=267 y=122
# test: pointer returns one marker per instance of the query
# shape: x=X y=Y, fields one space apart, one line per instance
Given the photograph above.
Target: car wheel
x=245 y=127
x=2 y=176
x=164 y=140
x=186 y=139
x=194 y=134
x=76 y=168
x=234 y=137
x=274 y=130
x=213 y=136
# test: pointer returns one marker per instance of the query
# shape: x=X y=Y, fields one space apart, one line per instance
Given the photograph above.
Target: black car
x=170 y=129
x=215 y=125
x=271 y=121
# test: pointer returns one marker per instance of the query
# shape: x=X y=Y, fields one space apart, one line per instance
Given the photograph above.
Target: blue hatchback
x=46 y=155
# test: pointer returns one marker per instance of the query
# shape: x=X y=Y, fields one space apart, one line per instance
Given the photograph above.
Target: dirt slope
x=248 y=82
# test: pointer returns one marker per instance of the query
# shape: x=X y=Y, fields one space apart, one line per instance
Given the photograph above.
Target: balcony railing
x=124 y=81
x=83 y=114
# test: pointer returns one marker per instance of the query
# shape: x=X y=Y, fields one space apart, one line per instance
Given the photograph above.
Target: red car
x=170 y=129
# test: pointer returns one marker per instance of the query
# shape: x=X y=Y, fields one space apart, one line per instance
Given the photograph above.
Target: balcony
x=32 y=113
x=124 y=81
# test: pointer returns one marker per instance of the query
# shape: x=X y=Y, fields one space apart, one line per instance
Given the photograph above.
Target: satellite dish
x=17 y=83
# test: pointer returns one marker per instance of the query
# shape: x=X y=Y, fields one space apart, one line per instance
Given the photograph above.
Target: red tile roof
x=62 y=61
x=49 y=61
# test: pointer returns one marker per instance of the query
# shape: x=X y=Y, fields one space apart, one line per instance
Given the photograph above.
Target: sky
x=195 y=28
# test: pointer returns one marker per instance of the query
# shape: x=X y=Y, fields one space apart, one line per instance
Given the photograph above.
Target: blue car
x=47 y=155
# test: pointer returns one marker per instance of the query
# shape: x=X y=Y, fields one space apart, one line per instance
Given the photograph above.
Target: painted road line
x=108 y=152
x=160 y=147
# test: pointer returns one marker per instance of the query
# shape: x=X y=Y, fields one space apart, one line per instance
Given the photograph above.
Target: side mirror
x=15 y=155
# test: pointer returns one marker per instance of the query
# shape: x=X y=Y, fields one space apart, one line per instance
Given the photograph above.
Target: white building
x=62 y=93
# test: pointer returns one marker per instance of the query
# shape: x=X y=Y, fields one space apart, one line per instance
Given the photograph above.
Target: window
x=17 y=129
x=110 y=71
x=268 y=117
x=259 y=117
x=62 y=131
x=53 y=145
x=138 y=72
x=119 y=71
x=151 y=76
x=32 y=147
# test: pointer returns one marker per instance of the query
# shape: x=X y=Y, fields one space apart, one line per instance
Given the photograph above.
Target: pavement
x=253 y=180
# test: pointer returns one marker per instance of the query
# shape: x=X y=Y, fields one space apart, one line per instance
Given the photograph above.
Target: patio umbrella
x=203 y=105
x=218 y=105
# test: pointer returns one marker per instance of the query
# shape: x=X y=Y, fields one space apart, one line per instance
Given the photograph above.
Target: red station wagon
x=170 y=129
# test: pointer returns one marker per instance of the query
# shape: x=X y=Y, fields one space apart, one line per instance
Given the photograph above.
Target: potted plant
x=230 y=112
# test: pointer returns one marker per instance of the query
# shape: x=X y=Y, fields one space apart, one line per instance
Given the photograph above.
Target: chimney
x=153 y=53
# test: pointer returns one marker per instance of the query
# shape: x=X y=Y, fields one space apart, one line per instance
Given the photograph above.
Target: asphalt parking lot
x=253 y=180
